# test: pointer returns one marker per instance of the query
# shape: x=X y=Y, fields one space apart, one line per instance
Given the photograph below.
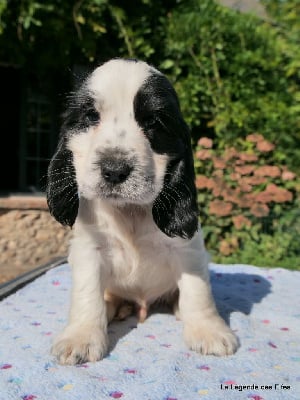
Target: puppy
x=123 y=175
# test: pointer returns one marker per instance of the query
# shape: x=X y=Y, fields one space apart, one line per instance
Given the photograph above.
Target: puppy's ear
x=62 y=192
x=175 y=210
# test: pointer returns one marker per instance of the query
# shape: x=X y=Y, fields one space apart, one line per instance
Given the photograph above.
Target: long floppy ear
x=62 y=192
x=175 y=210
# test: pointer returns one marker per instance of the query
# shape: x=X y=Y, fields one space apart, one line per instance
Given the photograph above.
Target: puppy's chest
x=142 y=267
x=138 y=255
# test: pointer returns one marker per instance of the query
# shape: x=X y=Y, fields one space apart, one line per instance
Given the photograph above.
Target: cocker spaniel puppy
x=123 y=175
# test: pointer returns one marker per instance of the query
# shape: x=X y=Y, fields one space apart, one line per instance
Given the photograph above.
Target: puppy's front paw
x=211 y=336
x=76 y=345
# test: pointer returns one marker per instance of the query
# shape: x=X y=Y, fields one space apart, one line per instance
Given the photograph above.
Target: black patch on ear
x=157 y=111
x=175 y=210
x=62 y=192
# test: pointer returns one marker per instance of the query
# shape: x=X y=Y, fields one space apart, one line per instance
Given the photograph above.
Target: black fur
x=62 y=192
x=62 y=195
x=81 y=112
x=157 y=111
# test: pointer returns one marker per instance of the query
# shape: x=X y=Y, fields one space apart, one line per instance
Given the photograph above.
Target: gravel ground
x=28 y=239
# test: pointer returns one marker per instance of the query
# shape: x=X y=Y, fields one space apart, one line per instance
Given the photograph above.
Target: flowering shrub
x=249 y=203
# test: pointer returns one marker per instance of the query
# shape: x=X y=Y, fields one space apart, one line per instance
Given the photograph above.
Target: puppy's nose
x=115 y=171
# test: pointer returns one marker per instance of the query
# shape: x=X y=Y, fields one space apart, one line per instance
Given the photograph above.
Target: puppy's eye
x=92 y=116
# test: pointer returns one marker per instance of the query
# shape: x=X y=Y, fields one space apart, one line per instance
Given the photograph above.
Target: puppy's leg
x=112 y=305
x=204 y=330
x=116 y=307
x=85 y=336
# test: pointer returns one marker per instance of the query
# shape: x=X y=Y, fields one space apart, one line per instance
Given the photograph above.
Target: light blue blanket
x=150 y=361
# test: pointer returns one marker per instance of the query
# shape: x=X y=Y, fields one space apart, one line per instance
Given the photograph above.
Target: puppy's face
x=112 y=129
x=124 y=140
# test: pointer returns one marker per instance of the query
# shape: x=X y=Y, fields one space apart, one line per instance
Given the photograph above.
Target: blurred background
x=236 y=68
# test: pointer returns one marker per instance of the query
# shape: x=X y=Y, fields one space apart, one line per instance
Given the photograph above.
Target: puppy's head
x=124 y=140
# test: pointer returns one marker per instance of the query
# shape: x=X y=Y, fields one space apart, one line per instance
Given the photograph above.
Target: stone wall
x=29 y=236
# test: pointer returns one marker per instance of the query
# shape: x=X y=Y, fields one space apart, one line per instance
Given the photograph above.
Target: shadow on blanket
x=233 y=292
x=238 y=292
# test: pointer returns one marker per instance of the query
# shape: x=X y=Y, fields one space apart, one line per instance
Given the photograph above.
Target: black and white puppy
x=123 y=175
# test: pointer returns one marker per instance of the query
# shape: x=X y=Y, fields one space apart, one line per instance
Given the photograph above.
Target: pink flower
x=235 y=176
x=268 y=170
x=259 y=210
x=240 y=221
x=245 y=169
x=264 y=146
x=205 y=142
x=202 y=182
x=254 y=138
x=232 y=195
x=228 y=246
x=279 y=195
x=248 y=157
x=225 y=248
x=203 y=154
x=218 y=173
x=264 y=197
x=246 y=201
x=239 y=162
x=288 y=176
x=220 y=208
x=219 y=162
x=244 y=186
x=254 y=180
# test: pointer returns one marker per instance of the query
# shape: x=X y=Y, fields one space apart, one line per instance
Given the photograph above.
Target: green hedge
x=233 y=74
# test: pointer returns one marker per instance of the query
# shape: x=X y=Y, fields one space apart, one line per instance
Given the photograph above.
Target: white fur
x=117 y=128
x=117 y=248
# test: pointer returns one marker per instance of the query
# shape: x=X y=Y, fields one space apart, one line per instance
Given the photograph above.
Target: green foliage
x=249 y=203
x=234 y=74
x=286 y=17
x=3 y=6
x=51 y=34
x=55 y=35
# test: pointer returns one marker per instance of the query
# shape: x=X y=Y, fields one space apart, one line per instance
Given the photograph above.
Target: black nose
x=115 y=171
